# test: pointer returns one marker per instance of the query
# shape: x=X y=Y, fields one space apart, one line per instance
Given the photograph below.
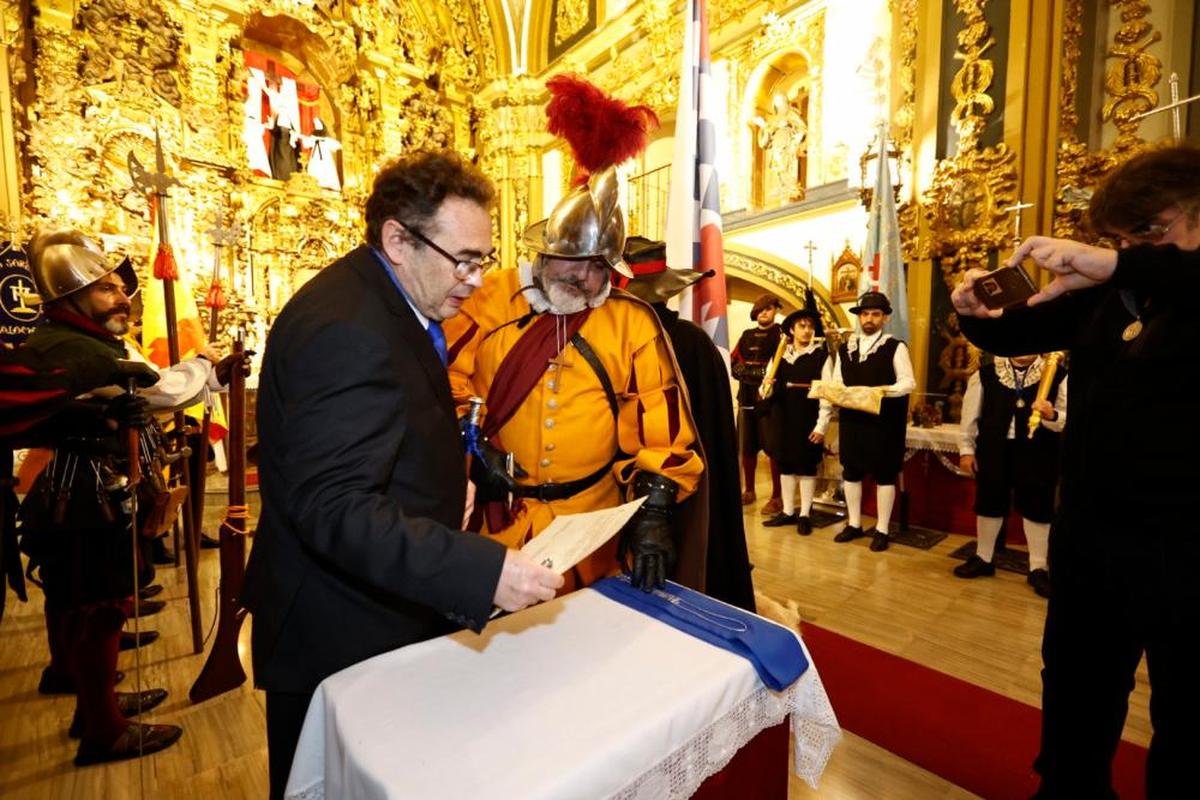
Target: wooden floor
x=904 y=601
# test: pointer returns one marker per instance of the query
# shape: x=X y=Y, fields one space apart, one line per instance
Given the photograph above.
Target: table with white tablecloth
x=581 y=697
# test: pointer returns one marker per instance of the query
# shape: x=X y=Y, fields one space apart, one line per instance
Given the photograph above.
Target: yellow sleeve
x=654 y=424
x=466 y=330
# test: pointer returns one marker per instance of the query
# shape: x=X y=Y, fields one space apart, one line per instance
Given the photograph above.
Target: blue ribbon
x=775 y=651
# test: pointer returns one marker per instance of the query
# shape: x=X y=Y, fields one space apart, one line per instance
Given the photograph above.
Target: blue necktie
x=439 y=341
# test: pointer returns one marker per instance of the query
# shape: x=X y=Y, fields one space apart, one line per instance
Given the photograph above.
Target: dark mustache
x=572 y=282
x=124 y=308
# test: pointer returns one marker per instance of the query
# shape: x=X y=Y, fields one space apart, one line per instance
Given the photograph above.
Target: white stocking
x=885 y=498
x=853 y=491
x=1037 y=536
x=987 y=530
x=808 y=487
x=787 y=487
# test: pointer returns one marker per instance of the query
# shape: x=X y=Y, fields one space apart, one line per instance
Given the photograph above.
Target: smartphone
x=1004 y=287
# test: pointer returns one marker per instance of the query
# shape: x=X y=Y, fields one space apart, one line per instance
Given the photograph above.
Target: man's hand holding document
x=571 y=538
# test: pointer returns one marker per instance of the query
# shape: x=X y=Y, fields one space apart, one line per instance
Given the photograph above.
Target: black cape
x=707 y=380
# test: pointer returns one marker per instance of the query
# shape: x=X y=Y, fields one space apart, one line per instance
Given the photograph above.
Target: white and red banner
x=694 y=239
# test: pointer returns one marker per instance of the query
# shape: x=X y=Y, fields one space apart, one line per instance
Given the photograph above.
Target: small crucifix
x=1016 y=210
x=811 y=248
x=1174 y=106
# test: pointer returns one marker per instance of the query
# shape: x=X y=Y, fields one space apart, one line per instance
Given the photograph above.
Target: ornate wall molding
x=784 y=282
x=1129 y=81
x=964 y=206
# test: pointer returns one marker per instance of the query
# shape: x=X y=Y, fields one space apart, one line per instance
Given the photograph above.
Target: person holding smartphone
x=1124 y=548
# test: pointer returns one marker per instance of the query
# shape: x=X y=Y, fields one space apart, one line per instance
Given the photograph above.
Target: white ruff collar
x=791 y=353
x=1006 y=374
x=538 y=300
x=878 y=339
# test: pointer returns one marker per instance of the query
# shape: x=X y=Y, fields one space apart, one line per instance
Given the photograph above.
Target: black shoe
x=1039 y=579
x=137 y=740
x=130 y=640
x=803 y=526
x=128 y=703
x=54 y=683
x=849 y=534
x=159 y=555
x=209 y=543
x=975 y=567
x=146 y=592
x=147 y=607
x=879 y=540
x=779 y=520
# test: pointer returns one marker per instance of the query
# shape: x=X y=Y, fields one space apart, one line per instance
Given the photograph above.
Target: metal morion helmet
x=64 y=261
x=586 y=223
x=602 y=132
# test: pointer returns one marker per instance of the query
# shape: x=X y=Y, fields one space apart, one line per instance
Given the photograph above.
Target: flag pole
x=155 y=185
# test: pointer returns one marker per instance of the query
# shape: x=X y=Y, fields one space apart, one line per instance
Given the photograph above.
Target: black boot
x=803 y=526
x=879 y=540
x=849 y=534
x=130 y=640
x=975 y=567
x=137 y=740
x=1039 y=579
x=129 y=704
x=779 y=520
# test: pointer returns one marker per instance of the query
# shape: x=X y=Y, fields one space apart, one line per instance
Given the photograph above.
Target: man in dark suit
x=358 y=549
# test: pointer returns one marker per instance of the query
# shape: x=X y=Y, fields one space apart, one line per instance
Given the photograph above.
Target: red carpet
x=972 y=737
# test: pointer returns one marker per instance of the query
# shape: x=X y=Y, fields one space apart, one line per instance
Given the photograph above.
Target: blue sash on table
x=774 y=650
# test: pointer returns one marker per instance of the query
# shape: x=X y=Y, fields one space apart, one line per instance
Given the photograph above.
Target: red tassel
x=215 y=297
x=601 y=130
x=164 y=264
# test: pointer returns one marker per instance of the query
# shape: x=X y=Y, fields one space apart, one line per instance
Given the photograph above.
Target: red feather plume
x=601 y=130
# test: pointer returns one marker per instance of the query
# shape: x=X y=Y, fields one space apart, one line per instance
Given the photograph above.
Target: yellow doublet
x=564 y=429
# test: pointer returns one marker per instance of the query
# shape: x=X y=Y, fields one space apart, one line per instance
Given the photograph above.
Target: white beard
x=557 y=299
x=116 y=328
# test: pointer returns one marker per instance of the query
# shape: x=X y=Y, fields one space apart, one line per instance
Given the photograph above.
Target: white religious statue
x=781 y=137
x=252 y=122
x=321 y=163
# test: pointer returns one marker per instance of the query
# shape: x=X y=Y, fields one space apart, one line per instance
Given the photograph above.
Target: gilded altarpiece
x=107 y=76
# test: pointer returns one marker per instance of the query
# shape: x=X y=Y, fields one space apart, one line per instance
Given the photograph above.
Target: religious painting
x=284 y=127
x=844 y=276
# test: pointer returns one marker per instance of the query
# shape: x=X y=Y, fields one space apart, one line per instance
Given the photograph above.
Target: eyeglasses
x=463 y=270
x=1149 y=232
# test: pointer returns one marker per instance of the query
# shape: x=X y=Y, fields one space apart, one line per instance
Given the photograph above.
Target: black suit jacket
x=358 y=549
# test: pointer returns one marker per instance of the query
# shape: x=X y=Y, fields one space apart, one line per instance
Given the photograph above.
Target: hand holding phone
x=1004 y=287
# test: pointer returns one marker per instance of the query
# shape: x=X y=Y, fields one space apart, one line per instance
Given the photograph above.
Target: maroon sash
x=520 y=371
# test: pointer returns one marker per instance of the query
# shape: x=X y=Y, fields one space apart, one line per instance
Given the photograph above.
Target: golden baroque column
x=510 y=135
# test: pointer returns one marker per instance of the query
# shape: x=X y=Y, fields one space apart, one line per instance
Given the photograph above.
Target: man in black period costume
x=873 y=444
x=1124 y=551
x=359 y=549
x=754 y=350
x=727 y=569
x=996 y=448
x=75 y=525
x=798 y=422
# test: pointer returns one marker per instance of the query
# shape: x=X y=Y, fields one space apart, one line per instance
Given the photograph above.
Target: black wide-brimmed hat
x=653 y=281
x=803 y=313
x=872 y=300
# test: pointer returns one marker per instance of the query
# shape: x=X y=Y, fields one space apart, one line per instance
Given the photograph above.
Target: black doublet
x=872 y=444
x=1030 y=466
x=794 y=415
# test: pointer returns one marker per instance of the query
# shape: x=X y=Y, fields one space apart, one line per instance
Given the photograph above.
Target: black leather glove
x=647 y=536
x=128 y=411
x=224 y=368
x=143 y=375
x=489 y=473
